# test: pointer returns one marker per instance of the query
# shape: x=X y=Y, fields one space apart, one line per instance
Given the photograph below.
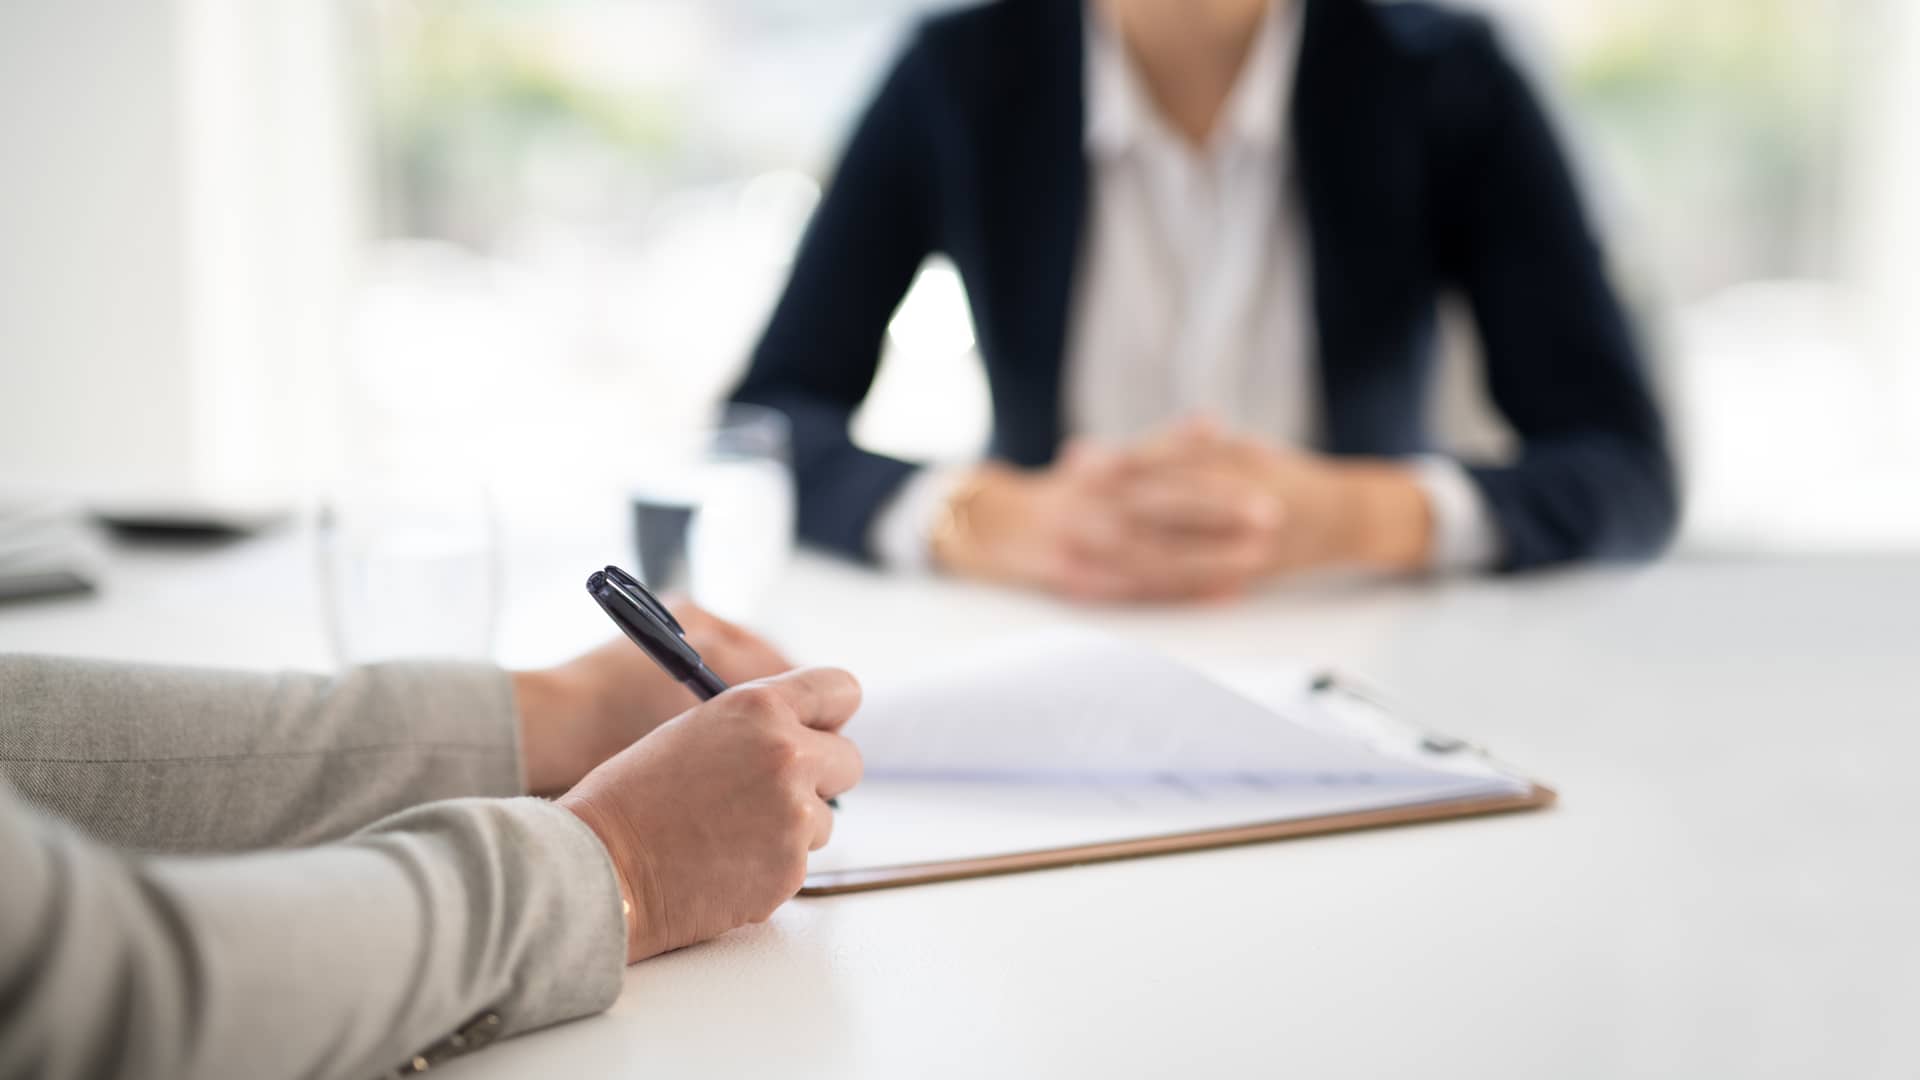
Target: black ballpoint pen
x=644 y=619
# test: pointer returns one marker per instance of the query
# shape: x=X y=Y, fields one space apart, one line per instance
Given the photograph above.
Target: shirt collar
x=1121 y=113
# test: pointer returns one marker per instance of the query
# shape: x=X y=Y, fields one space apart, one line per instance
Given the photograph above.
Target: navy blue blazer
x=1427 y=165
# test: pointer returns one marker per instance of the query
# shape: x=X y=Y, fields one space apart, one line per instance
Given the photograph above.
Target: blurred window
x=645 y=167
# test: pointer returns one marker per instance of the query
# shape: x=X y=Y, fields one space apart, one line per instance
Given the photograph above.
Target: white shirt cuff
x=901 y=536
x=1465 y=535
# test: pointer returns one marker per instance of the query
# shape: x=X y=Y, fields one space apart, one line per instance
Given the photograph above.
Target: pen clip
x=631 y=587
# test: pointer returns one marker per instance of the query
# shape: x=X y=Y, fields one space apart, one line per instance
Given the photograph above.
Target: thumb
x=1200 y=427
x=1192 y=437
x=1085 y=457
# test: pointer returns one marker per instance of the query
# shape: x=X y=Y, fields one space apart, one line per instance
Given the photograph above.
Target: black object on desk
x=47 y=549
x=187 y=522
x=647 y=621
x=42 y=584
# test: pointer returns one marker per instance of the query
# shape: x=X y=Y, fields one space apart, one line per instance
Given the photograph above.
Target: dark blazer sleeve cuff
x=838 y=513
x=841 y=487
x=1586 y=499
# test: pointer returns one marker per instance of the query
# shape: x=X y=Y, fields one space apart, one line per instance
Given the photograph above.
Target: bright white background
x=249 y=247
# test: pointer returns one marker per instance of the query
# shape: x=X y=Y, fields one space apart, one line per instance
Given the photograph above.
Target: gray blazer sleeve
x=179 y=759
x=429 y=931
x=427 y=934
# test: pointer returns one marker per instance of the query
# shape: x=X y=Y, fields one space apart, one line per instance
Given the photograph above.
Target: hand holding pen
x=708 y=819
x=650 y=625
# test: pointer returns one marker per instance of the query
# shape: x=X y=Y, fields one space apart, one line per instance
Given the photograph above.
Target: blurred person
x=1237 y=210
x=412 y=907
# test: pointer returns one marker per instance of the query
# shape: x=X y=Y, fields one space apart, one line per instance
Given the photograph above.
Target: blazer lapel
x=1362 y=210
x=1034 y=186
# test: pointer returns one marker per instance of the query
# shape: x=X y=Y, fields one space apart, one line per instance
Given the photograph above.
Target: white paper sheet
x=1071 y=704
x=1072 y=739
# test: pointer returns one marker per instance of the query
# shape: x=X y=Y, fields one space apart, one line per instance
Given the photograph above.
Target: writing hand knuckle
x=761 y=702
x=783 y=757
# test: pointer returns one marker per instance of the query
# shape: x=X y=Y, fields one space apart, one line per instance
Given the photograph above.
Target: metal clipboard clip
x=1351 y=708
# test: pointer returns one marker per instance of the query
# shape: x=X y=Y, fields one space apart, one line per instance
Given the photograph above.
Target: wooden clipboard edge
x=838 y=882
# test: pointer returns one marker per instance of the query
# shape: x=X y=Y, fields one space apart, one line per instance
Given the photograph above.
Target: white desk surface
x=1731 y=886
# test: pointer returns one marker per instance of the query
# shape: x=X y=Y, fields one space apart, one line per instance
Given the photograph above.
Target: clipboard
x=1367 y=717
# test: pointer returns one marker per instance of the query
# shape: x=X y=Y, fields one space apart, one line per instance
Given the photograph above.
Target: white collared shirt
x=1193 y=291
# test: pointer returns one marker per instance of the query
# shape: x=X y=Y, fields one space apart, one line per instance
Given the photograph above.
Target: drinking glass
x=410 y=570
x=713 y=509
